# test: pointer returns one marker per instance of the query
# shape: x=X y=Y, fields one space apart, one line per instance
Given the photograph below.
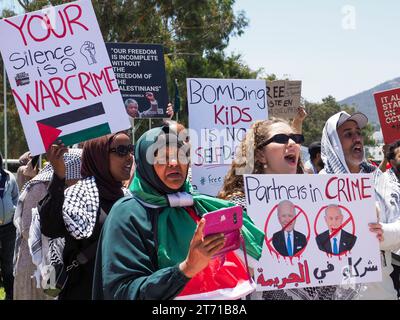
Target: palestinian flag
x=75 y=126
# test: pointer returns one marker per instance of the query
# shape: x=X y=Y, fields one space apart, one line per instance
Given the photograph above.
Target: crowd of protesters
x=109 y=222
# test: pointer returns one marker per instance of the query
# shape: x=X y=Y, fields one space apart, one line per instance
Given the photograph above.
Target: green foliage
x=319 y=113
x=193 y=33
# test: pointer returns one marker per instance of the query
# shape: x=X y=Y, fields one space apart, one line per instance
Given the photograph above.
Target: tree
x=193 y=33
x=319 y=113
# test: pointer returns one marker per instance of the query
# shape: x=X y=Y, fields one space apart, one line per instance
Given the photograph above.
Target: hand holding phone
x=227 y=221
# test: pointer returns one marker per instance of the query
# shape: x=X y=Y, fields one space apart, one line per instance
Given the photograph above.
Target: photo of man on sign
x=288 y=241
x=335 y=240
x=132 y=107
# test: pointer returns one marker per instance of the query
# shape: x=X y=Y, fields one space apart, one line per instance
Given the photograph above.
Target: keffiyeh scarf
x=333 y=157
x=44 y=251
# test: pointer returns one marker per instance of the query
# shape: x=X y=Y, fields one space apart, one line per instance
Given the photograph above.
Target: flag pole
x=133 y=131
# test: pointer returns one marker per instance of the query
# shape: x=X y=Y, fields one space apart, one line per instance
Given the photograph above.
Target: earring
x=265 y=166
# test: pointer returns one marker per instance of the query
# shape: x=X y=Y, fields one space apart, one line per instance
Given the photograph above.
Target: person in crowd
x=342 y=151
x=270 y=147
x=27 y=287
x=27 y=170
x=79 y=213
x=152 y=244
x=385 y=163
x=8 y=198
x=315 y=164
x=392 y=157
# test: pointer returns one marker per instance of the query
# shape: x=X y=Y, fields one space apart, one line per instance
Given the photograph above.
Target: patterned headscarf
x=332 y=152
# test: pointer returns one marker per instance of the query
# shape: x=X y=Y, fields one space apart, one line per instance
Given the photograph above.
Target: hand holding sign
x=55 y=155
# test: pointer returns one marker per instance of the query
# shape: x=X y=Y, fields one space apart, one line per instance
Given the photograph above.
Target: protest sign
x=140 y=73
x=283 y=98
x=388 y=108
x=316 y=232
x=61 y=76
x=220 y=112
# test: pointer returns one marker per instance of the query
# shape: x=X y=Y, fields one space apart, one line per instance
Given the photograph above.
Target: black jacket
x=279 y=242
x=346 y=243
x=79 y=285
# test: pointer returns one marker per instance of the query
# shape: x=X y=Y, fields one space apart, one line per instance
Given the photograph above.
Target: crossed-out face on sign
x=331 y=236
x=291 y=239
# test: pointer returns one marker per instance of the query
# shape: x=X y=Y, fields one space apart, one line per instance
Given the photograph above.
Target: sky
x=335 y=47
x=10 y=4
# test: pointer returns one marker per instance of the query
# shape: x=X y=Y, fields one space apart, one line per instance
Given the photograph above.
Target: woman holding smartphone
x=152 y=244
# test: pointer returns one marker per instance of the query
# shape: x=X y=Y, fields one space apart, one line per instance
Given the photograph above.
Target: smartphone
x=227 y=221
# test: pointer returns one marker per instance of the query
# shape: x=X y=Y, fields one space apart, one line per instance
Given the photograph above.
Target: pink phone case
x=227 y=221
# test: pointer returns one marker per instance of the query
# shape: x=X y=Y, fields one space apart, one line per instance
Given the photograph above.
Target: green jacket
x=126 y=262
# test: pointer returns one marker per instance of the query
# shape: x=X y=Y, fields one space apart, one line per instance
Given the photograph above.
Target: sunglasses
x=123 y=150
x=283 y=139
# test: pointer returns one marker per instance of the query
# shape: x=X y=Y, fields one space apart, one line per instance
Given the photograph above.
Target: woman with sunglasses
x=270 y=147
x=152 y=244
x=78 y=213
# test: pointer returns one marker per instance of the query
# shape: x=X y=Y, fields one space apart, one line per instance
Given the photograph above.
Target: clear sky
x=10 y=4
x=336 y=47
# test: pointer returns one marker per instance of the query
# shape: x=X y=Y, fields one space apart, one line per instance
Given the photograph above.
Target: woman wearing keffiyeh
x=151 y=245
x=342 y=151
x=32 y=249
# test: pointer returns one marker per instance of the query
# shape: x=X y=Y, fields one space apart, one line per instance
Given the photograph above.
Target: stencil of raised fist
x=88 y=51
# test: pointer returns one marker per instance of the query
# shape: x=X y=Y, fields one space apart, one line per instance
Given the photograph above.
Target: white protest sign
x=61 y=76
x=283 y=98
x=220 y=112
x=316 y=231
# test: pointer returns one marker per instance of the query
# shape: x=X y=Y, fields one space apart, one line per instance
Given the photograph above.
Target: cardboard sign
x=316 y=231
x=140 y=73
x=283 y=98
x=61 y=77
x=220 y=112
x=388 y=108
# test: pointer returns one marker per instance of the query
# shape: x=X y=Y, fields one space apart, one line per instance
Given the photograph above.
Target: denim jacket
x=9 y=201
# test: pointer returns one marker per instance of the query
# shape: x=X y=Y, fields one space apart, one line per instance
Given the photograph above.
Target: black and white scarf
x=81 y=204
x=44 y=251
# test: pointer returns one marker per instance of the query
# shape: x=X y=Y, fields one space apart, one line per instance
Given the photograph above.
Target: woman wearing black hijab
x=78 y=213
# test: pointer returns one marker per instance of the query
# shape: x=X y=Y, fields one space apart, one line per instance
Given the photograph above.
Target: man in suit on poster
x=335 y=240
x=288 y=242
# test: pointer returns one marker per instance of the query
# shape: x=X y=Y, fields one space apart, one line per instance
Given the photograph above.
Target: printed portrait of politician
x=335 y=240
x=132 y=107
x=288 y=242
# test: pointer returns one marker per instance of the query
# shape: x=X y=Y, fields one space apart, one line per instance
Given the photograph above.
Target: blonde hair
x=245 y=161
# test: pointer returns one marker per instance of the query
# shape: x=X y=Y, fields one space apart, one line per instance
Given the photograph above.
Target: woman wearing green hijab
x=152 y=244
